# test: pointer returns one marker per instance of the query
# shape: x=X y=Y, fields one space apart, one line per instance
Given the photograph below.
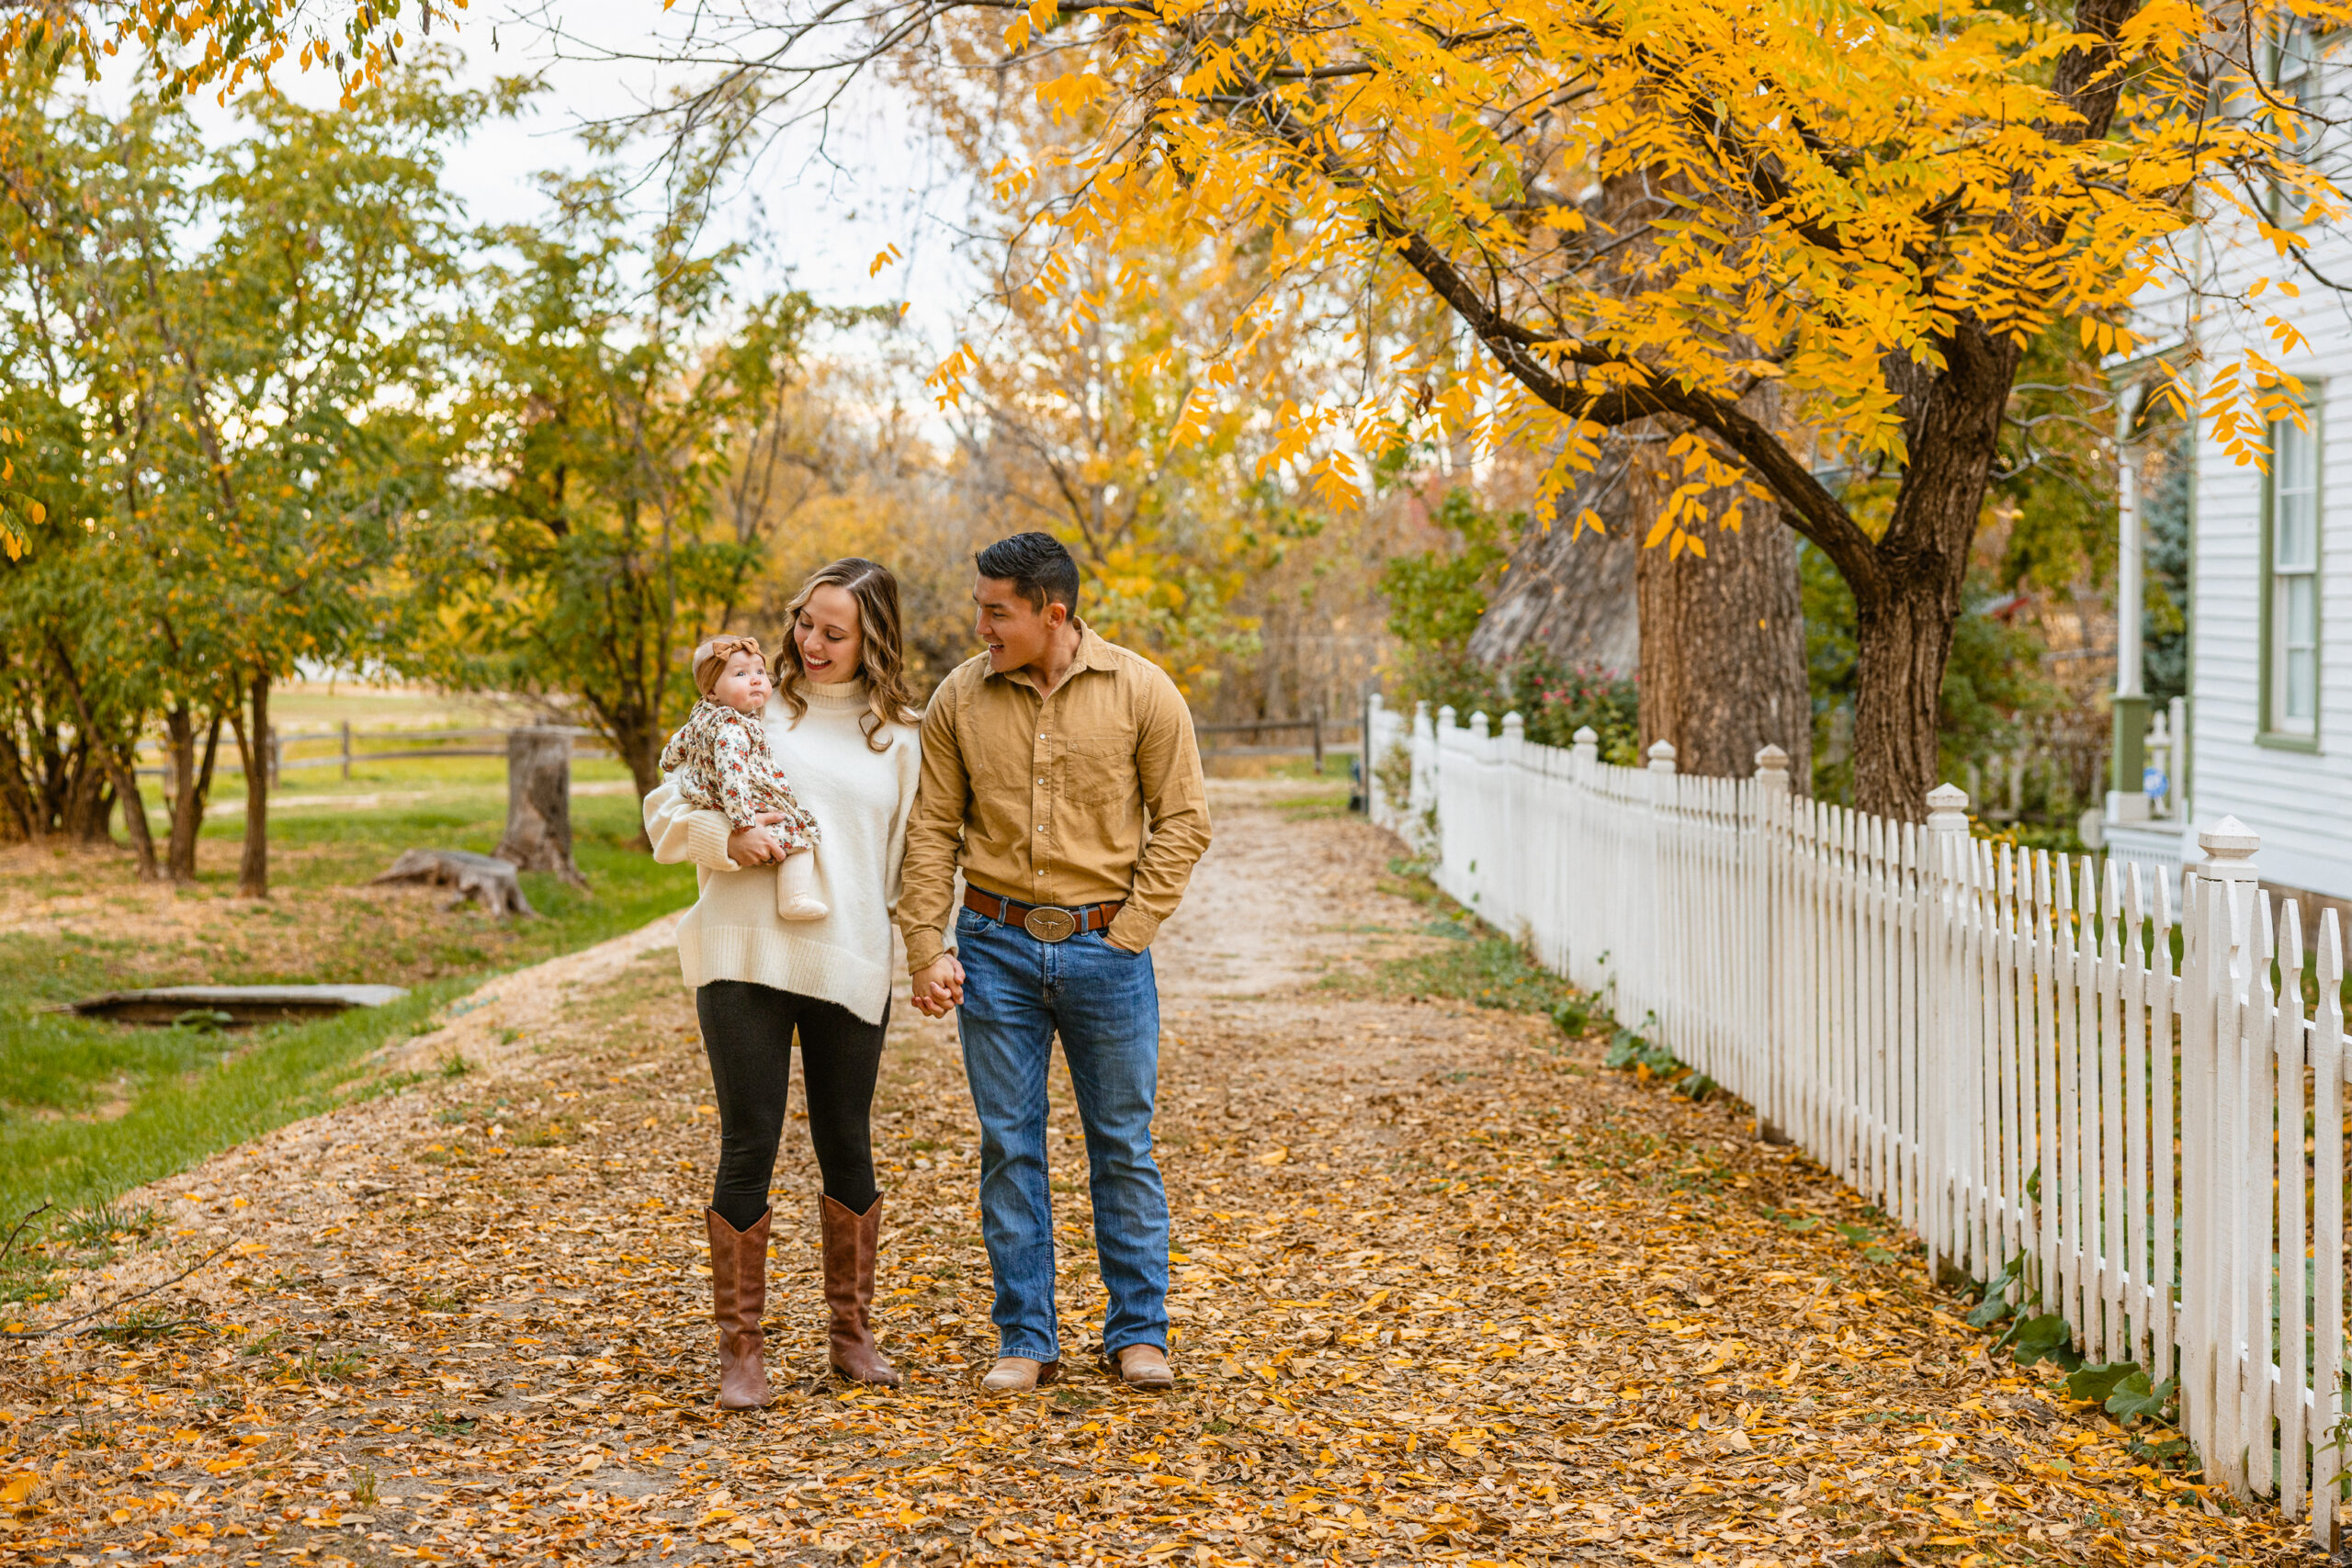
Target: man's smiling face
x=1016 y=631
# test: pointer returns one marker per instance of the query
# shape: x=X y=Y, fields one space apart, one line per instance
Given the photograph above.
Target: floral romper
x=723 y=763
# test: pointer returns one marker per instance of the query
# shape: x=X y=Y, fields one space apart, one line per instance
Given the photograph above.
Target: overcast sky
x=816 y=215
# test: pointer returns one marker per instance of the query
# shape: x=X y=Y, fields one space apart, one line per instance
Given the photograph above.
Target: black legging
x=747 y=1031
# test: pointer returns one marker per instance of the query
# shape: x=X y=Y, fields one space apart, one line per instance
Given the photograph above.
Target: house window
x=2294 y=581
x=2294 y=84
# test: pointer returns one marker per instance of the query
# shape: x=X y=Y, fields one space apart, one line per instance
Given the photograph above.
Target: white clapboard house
x=2267 y=719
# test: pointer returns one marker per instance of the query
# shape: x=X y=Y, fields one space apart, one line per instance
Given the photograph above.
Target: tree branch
x=1806 y=506
x=30 y=1215
x=118 y=1302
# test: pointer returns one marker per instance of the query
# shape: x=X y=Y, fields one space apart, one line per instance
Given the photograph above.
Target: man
x=1060 y=774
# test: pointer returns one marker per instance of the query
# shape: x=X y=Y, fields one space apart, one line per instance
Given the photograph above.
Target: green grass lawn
x=90 y=1110
x=1474 y=963
x=302 y=707
x=421 y=775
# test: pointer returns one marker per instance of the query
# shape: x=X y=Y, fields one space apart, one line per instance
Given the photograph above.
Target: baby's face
x=743 y=685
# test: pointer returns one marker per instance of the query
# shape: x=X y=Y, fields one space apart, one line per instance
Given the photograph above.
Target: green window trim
x=2294 y=638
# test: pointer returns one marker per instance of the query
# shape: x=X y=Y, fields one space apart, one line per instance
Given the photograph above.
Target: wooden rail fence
x=352 y=746
x=1321 y=732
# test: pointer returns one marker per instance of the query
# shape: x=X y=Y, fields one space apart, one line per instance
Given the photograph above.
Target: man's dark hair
x=1038 y=567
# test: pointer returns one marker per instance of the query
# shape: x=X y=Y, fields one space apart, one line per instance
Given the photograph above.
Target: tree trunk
x=1901 y=643
x=191 y=787
x=253 y=745
x=123 y=769
x=25 y=820
x=539 y=803
x=179 y=746
x=1723 y=638
x=91 y=805
x=65 y=770
x=643 y=753
x=134 y=812
x=1907 y=597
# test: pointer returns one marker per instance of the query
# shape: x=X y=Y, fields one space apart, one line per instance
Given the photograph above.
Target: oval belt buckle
x=1049 y=925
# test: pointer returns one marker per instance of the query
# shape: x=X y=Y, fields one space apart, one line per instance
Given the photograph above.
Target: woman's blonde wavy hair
x=882 y=659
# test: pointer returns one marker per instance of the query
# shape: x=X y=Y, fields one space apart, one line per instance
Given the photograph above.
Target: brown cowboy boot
x=849 y=1290
x=1142 y=1367
x=739 y=1294
x=1019 y=1374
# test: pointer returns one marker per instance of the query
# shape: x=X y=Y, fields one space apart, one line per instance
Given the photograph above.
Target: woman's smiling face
x=832 y=648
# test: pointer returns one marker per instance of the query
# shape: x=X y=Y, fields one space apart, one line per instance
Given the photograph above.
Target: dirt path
x=1445 y=1289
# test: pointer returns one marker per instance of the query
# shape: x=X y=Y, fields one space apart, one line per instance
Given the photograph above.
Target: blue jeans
x=1018 y=993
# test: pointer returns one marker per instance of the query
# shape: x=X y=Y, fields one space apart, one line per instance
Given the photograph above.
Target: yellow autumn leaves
x=1851 y=182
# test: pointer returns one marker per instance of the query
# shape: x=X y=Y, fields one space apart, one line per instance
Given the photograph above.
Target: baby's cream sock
x=796 y=888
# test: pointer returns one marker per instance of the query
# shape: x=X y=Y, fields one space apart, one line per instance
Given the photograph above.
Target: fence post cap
x=1771 y=759
x=1445 y=715
x=2228 y=847
x=1585 y=736
x=1478 y=722
x=1662 y=757
x=1948 y=808
x=1422 y=708
x=1514 y=725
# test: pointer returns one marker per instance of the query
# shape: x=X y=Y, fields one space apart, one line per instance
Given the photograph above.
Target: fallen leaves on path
x=1444 y=1290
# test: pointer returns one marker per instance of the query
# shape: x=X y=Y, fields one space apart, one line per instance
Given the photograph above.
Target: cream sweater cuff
x=706 y=836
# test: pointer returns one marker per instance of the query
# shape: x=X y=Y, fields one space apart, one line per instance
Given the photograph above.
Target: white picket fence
x=1996 y=1047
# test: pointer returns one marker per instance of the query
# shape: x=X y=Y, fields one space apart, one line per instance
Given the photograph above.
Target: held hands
x=754 y=845
x=939 y=987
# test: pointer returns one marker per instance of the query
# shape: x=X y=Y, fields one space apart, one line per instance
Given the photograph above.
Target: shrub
x=1557 y=700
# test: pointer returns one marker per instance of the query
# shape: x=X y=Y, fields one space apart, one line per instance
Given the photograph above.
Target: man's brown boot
x=739 y=1294
x=1143 y=1366
x=1019 y=1374
x=849 y=1290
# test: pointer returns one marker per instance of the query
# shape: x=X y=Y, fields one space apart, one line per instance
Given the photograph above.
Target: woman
x=843 y=727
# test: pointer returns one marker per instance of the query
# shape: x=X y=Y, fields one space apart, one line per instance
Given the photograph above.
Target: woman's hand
x=939 y=988
x=753 y=845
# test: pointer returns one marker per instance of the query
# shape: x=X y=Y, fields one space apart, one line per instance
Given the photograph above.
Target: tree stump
x=539 y=803
x=492 y=882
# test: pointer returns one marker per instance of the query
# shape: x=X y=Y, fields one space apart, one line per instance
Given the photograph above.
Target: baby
x=720 y=755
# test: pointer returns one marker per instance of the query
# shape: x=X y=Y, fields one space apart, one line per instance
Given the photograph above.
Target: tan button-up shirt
x=1046 y=799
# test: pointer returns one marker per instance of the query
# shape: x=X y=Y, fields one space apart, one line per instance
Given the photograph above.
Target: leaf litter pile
x=1446 y=1289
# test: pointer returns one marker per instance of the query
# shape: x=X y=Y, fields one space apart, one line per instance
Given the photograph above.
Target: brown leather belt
x=1046 y=922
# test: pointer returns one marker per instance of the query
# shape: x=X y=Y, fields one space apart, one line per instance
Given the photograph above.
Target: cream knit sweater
x=861 y=799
